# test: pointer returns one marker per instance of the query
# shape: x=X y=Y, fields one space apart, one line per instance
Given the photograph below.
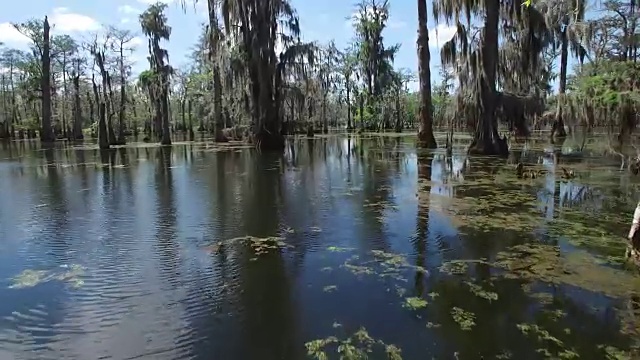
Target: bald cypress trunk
x=425 y=132
x=557 y=128
x=486 y=140
x=46 y=134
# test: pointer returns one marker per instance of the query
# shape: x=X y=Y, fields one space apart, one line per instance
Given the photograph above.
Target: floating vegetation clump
x=259 y=245
x=263 y=246
x=358 y=346
x=29 y=278
x=554 y=347
x=358 y=270
x=465 y=319
x=540 y=333
x=456 y=267
x=478 y=291
x=383 y=265
x=498 y=210
x=415 y=303
x=613 y=353
x=545 y=263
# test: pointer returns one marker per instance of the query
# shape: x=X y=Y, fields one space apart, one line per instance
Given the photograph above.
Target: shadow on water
x=340 y=245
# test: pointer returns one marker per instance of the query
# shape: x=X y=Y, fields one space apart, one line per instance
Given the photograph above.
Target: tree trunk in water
x=217 y=104
x=349 y=127
x=108 y=99
x=123 y=100
x=103 y=138
x=557 y=128
x=46 y=134
x=425 y=132
x=266 y=130
x=191 y=135
x=183 y=111
x=64 y=96
x=361 y=108
x=92 y=115
x=486 y=140
x=310 y=127
x=325 y=123
x=77 y=114
x=398 y=121
x=166 y=131
x=157 y=118
x=135 y=117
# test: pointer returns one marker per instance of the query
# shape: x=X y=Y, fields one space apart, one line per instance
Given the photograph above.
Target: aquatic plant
x=464 y=318
x=415 y=303
x=357 y=346
x=70 y=274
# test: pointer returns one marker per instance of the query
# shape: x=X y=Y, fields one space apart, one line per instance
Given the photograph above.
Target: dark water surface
x=355 y=245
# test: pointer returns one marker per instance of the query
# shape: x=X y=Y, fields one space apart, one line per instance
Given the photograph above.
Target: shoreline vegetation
x=67 y=88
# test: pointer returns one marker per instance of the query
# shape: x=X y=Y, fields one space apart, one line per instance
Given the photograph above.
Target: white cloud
x=136 y=41
x=62 y=21
x=11 y=36
x=396 y=24
x=68 y=22
x=440 y=35
x=128 y=9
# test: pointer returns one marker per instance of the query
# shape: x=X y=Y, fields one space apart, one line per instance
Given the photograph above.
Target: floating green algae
x=357 y=346
x=67 y=274
x=260 y=245
x=554 y=347
x=478 y=291
x=542 y=262
x=465 y=319
x=415 y=303
x=383 y=265
x=29 y=278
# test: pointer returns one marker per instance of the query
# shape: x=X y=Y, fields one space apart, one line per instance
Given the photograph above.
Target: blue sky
x=320 y=20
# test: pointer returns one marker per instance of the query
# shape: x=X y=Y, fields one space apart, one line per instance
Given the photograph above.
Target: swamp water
x=342 y=248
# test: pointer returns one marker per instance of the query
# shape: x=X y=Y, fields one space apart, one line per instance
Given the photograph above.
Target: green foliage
x=358 y=346
x=364 y=117
x=607 y=84
x=153 y=22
